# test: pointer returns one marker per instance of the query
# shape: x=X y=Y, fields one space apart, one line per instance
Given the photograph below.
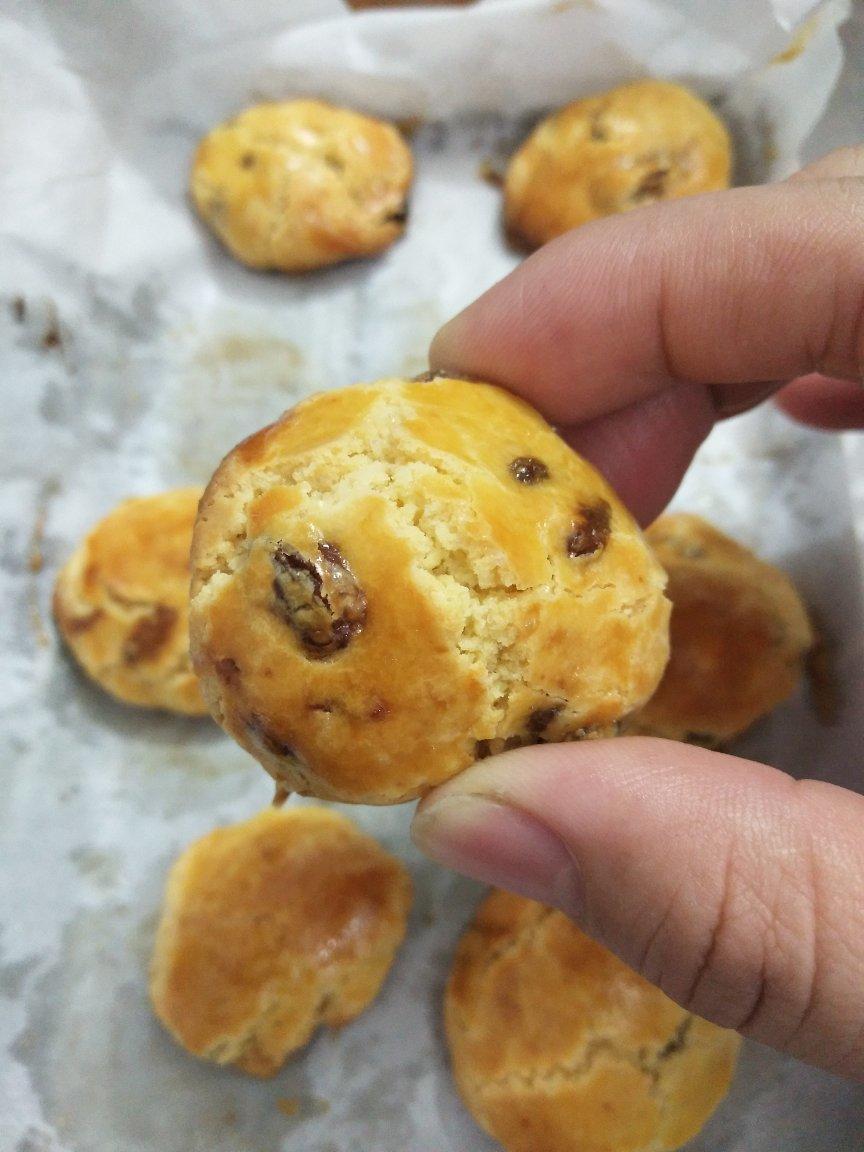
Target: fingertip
x=824 y=402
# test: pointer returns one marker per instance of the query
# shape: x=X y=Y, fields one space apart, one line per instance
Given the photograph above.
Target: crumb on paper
x=303 y=1107
x=241 y=349
x=52 y=337
x=798 y=42
x=43 y=320
x=567 y=5
x=410 y=126
x=36 y=560
x=491 y=173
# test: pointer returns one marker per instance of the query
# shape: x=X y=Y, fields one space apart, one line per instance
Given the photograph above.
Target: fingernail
x=498 y=844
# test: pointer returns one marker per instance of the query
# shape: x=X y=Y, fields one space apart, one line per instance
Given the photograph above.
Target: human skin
x=734 y=887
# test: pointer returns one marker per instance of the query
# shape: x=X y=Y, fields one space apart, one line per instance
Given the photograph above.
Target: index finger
x=697 y=305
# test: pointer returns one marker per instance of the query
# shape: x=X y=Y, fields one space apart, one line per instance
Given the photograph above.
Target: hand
x=737 y=889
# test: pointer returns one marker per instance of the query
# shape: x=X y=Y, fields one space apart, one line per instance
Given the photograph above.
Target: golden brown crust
x=121 y=602
x=302 y=184
x=633 y=145
x=557 y=1045
x=381 y=594
x=272 y=928
x=739 y=636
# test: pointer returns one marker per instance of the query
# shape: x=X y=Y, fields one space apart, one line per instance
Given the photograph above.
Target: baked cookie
x=634 y=145
x=272 y=928
x=303 y=184
x=557 y=1046
x=739 y=636
x=398 y=578
x=121 y=602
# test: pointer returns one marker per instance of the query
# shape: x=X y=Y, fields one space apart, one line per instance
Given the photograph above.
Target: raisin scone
x=396 y=579
x=558 y=1046
x=121 y=602
x=612 y=152
x=302 y=184
x=739 y=636
x=271 y=929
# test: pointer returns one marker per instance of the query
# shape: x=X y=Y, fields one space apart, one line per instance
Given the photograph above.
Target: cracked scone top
x=396 y=579
x=272 y=928
x=558 y=1046
x=121 y=602
x=301 y=184
x=612 y=152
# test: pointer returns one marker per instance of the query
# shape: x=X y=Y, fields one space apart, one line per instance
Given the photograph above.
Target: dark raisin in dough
x=591 y=528
x=528 y=470
x=319 y=597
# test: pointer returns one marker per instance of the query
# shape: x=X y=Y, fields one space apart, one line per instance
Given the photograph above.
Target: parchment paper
x=135 y=353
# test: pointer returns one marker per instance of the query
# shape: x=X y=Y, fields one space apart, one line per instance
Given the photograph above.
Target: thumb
x=736 y=889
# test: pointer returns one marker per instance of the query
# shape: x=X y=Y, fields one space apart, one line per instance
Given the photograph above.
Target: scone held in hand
x=272 y=928
x=396 y=579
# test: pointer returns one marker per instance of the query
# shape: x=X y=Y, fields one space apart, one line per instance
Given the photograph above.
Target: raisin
x=319 y=598
x=227 y=670
x=540 y=719
x=264 y=737
x=652 y=186
x=591 y=528
x=528 y=470
x=149 y=635
x=74 y=625
x=702 y=739
x=677 y=1042
x=485 y=748
x=428 y=377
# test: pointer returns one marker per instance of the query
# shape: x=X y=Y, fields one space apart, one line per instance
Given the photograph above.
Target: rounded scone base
x=271 y=929
x=557 y=1045
x=121 y=603
x=466 y=602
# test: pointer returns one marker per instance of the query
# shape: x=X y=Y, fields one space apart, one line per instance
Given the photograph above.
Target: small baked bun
x=121 y=603
x=272 y=928
x=634 y=145
x=303 y=184
x=557 y=1046
x=739 y=636
x=396 y=579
